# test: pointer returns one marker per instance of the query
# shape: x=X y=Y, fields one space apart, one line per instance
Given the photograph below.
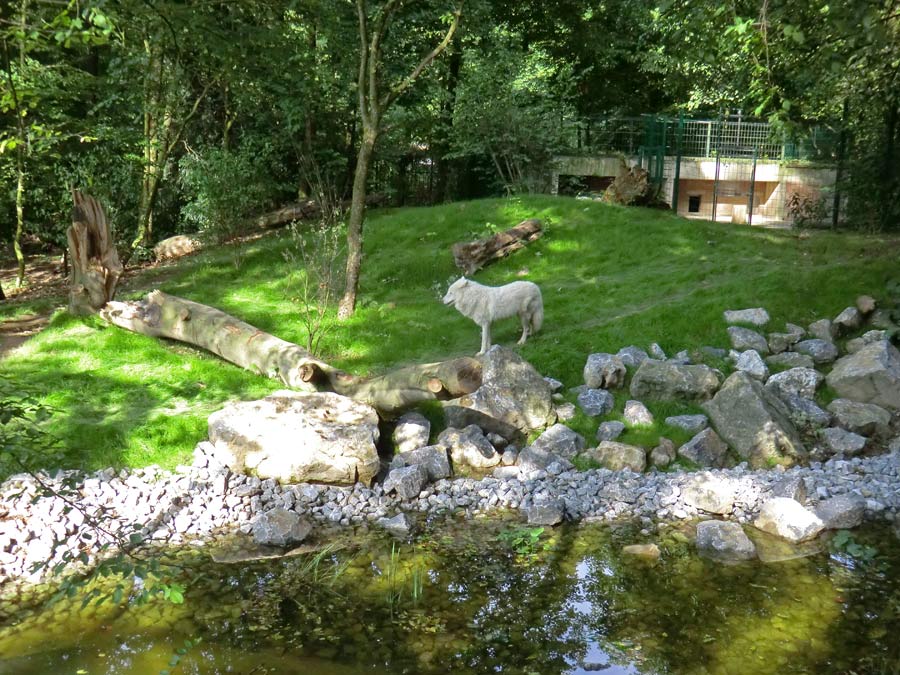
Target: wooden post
x=95 y=262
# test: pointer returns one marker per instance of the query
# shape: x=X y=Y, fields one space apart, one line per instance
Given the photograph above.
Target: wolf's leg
x=485 y=337
x=526 y=325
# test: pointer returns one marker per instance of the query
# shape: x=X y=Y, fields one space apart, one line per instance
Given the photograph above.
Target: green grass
x=610 y=276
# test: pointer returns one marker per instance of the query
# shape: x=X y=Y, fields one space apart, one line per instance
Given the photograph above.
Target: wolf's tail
x=537 y=316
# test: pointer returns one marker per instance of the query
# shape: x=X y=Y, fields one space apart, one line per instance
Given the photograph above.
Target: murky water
x=493 y=597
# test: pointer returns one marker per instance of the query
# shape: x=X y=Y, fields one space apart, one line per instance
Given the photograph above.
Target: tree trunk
x=95 y=262
x=163 y=315
x=472 y=256
x=355 y=227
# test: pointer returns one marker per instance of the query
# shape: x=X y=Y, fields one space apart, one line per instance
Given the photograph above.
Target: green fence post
x=678 y=136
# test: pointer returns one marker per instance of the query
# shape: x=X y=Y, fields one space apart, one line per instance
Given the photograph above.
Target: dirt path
x=14 y=332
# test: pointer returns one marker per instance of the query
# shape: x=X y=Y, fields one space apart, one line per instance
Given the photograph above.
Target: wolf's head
x=455 y=289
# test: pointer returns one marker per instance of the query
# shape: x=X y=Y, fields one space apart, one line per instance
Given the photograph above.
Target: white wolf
x=484 y=304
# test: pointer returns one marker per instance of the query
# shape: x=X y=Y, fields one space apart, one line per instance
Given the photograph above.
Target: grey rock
x=705 y=449
x=797 y=381
x=752 y=363
x=412 y=432
x=847 y=321
x=636 y=414
x=710 y=493
x=555 y=385
x=755 y=423
x=618 y=456
x=596 y=402
x=724 y=541
x=296 y=437
x=841 y=441
x=894 y=444
x=743 y=339
x=690 y=423
x=657 y=352
x=682 y=358
x=632 y=356
x=822 y=330
x=866 y=419
x=469 y=447
x=714 y=352
x=604 y=371
x=506 y=472
x=559 y=440
x=781 y=342
x=550 y=512
x=398 y=525
x=881 y=319
x=842 y=513
x=864 y=340
x=408 y=481
x=790 y=487
x=866 y=304
x=280 y=527
x=513 y=399
x=788 y=519
x=663 y=381
x=790 y=360
x=871 y=375
x=663 y=454
x=756 y=316
x=433 y=458
x=534 y=459
x=610 y=431
x=820 y=351
x=565 y=412
x=805 y=413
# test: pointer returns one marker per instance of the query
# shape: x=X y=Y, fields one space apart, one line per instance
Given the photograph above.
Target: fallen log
x=162 y=315
x=472 y=256
x=95 y=262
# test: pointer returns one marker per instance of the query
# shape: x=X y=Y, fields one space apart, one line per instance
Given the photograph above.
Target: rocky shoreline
x=202 y=502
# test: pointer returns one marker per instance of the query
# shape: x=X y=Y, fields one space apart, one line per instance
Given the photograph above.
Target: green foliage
x=525 y=542
x=843 y=541
x=25 y=443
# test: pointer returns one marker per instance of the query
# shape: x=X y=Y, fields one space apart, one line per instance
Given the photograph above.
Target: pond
x=493 y=597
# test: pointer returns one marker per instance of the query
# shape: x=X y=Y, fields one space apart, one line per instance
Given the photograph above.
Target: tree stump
x=472 y=256
x=95 y=268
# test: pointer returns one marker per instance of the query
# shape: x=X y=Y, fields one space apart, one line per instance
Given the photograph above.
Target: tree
x=375 y=100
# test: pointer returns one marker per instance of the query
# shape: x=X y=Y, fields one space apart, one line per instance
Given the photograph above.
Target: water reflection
x=477 y=599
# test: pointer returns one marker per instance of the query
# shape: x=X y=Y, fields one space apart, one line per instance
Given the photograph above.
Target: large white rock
x=296 y=437
x=871 y=375
x=788 y=519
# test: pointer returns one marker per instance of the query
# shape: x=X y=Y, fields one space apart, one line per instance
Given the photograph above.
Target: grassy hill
x=610 y=276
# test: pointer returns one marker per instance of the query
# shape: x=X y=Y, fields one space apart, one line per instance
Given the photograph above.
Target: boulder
x=805 y=413
x=871 y=375
x=755 y=423
x=847 y=321
x=512 y=401
x=820 y=351
x=756 y=316
x=781 y=342
x=618 y=456
x=295 y=437
x=610 y=431
x=790 y=360
x=412 y=432
x=657 y=352
x=864 y=340
x=177 y=246
x=689 y=423
x=682 y=358
x=280 y=527
x=866 y=304
x=408 y=481
x=866 y=419
x=797 y=381
x=841 y=513
x=432 y=457
x=710 y=493
x=469 y=447
x=399 y=525
x=546 y=512
x=662 y=381
x=724 y=541
x=565 y=412
x=645 y=551
x=632 y=356
x=560 y=440
x=535 y=459
x=663 y=454
x=792 y=487
x=636 y=414
x=822 y=330
x=752 y=363
x=705 y=449
x=842 y=442
x=604 y=371
x=596 y=402
x=743 y=339
x=788 y=519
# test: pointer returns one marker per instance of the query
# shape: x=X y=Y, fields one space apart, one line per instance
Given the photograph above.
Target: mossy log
x=96 y=267
x=472 y=256
x=162 y=315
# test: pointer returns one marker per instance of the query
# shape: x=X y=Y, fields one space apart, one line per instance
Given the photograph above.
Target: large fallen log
x=472 y=256
x=95 y=262
x=162 y=315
